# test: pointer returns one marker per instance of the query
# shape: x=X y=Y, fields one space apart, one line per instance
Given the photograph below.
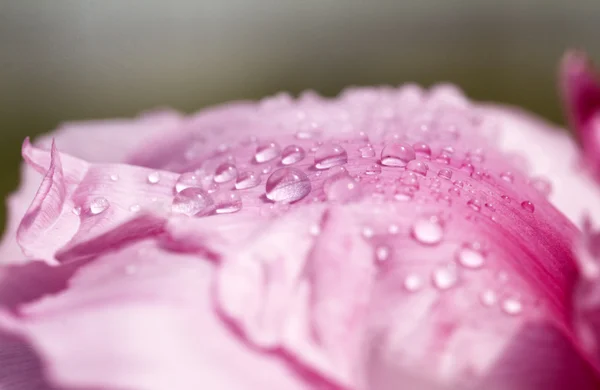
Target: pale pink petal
x=148 y=318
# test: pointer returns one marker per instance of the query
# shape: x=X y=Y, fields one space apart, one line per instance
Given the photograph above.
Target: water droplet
x=135 y=208
x=342 y=189
x=393 y=229
x=488 y=298
x=409 y=179
x=476 y=155
x=330 y=155
x=99 y=205
x=211 y=187
x=76 y=210
x=314 y=230
x=445 y=173
x=228 y=202
x=459 y=183
x=382 y=253
x=187 y=180
x=505 y=198
x=428 y=230
x=475 y=204
x=512 y=306
x=404 y=194
x=368 y=232
x=412 y=283
x=114 y=177
x=454 y=191
x=292 y=154
x=417 y=166
x=507 y=176
x=476 y=175
x=445 y=277
x=470 y=257
x=422 y=150
x=367 y=152
x=154 y=178
x=528 y=206
x=225 y=172
x=287 y=185
x=397 y=154
x=247 y=179
x=267 y=151
x=467 y=167
x=373 y=169
x=192 y=201
x=542 y=185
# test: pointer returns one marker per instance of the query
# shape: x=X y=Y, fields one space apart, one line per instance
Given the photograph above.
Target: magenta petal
x=581 y=93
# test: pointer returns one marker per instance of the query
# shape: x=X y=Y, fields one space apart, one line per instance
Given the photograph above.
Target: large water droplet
x=267 y=151
x=470 y=257
x=187 y=180
x=417 y=166
x=422 y=150
x=445 y=277
x=428 y=230
x=409 y=179
x=528 y=206
x=99 y=205
x=512 y=306
x=192 y=201
x=367 y=152
x=246 y=180
x=292 y=154
x=154 y=178
x=413 y=282
x=287 y=185
x=225 y=172
x=227 y=202
x=397 y=154
x=342 y=189
x=330 y=155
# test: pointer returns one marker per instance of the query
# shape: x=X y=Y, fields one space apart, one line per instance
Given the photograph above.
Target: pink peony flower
x=391 y=238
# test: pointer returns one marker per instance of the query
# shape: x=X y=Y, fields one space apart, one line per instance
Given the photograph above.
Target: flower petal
x=127 y=299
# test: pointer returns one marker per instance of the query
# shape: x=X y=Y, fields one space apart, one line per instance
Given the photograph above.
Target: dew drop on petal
x=488 y=298
x=330 y=155
x=292 y=154
x=368 y=232
x=397 y=154
x=470 y=257
x=507 y=176
x=227 y=202
x=247 y=179
x=454 y=191
x=76 y=210
x=422 y=150
x=192 y=201
x=367 y=152
x=114 y=177
x=412 y=283
x=267 y=151
x=409 y=179
x=134 y=208
x=342 y=189
x=417 y=166
x=225 y=172
x=445 y=173
x=428 y=231
x=153 y=178
x=527 y=206
x=467 y=167
x=373 y=169
x=99 y=205
x=512 y=306
x=187 y=180
x=505 y=198
x=382 y=253
x=445 y=277
x=475 y=204
x=542 y=185
x=287 y=185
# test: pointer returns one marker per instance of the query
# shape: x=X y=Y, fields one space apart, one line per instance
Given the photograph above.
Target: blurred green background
x=76 y=59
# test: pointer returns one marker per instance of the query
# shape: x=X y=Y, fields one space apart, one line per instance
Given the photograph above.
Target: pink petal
x=153 y=327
